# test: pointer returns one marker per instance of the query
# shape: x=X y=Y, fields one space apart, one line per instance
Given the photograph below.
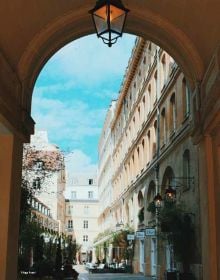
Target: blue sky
x=73 y=92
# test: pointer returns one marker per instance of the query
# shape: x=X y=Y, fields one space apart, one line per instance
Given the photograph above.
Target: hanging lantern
x=119 y=226
x=170 y=194
x=158 y=201
x=109 y=18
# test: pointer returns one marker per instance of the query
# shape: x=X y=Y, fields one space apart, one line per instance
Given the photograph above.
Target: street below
x=84 y=275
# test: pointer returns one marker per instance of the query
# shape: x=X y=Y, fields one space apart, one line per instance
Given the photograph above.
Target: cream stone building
x=105 y=172
x=42 y=214
x=53 y=185
x=151 y=150
x=82 y=208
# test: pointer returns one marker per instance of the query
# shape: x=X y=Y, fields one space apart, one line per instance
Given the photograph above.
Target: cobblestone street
x=84 y=275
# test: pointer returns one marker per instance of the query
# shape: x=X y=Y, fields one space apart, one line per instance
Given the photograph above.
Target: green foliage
x=58 y=262
x=37 y=165
x=179 y=231
x=117 y=239
x=38 y=249
x=151 y=207
x=102 y=234
x=25 y=209
x=71 y=250
x=170 y=217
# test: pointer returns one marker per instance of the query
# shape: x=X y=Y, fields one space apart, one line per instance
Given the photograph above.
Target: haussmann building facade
x=151 y=152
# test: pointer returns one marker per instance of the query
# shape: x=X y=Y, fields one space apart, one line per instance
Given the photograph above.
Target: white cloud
x=85 y=69
x=90 y=57
x=78 y=162
x=54 y=88
x=67 y=121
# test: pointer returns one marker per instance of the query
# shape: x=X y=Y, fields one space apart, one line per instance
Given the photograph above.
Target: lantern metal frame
x=119 y=226
x=109 y=30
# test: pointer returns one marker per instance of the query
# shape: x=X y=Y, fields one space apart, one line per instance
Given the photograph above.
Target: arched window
x=148 y=146
x=155 y=139
x=139 y=116
x=149 y=99
x=133 y=167
x=185 y=99
x=133 y=128
x=149 y=54
x=138 y=161
x=127 y=214
x=163 y=71
x=140 y=199
x=186 y=169
x=172 y=113
x=129 y=172
x=143 y=154
x=163 y=131
x=155 y=88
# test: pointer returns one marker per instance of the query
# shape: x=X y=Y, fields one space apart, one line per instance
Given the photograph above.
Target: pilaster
x=206 y=134
x=10 y=174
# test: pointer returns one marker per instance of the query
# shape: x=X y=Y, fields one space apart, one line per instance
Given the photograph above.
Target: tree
x=38 y=166
x=177 y=226
x=58 y=263
x=71 y=250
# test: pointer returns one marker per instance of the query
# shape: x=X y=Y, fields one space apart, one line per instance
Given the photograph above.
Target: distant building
x=42 y=215
x=82 y=207
x=48 y=171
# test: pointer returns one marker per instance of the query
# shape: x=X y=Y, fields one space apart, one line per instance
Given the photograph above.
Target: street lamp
x=109 y=18
x=119 y=226
x=158 y=201
x=170 y=194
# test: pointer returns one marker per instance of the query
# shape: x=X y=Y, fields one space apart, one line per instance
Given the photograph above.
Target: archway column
x=206 y=108
x=10 y=174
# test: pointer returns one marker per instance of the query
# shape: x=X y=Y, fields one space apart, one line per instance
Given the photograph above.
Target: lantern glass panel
x=101 y=12
x=101 y=25
x=115 y=12
x=118 y=23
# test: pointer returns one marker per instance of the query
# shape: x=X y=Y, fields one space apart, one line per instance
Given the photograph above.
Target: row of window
x=74 y=194
x=168 y=123
x=45 y=222
x=157 y=79
x=85 y=238
x=70 y=224
x=147 y=147
x=85 y=210
x=40 y=207
x=184 y=181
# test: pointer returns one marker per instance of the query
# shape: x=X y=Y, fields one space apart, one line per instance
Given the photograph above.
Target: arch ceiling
x=32 y=31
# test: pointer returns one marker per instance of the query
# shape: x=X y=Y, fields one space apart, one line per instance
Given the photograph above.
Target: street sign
x=150 y=232
x=130 y=236
x=140 y=234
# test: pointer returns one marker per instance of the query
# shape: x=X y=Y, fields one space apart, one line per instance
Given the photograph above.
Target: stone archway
x=151 y=26
x=32 y=33
x=167 y=178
